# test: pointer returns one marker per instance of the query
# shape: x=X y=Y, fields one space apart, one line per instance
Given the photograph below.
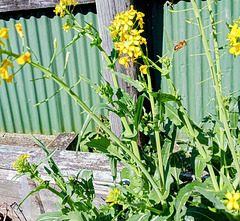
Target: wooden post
x=106 y=11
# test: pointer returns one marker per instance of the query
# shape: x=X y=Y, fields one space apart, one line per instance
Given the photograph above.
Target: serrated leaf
x=182 y=198
x=101 y=144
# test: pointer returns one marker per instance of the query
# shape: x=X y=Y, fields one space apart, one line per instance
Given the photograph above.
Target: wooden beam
x=18 y=5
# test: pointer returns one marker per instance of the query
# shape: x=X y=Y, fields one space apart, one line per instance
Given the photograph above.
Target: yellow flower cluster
x=114 y=197
x=232 y=202
x=22 y=165
x=234 y=38
x=62 y=7
x=125 y=31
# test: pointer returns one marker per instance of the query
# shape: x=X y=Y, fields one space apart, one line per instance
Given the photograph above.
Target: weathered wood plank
x=15 y=190
x=106 y=11
x=17 y=5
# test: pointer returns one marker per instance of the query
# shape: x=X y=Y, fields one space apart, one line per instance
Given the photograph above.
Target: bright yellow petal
x=230 y=205
x=229 y=196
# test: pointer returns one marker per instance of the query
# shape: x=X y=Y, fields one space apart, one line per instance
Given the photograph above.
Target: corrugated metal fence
x=61 y=114
x=190 y=71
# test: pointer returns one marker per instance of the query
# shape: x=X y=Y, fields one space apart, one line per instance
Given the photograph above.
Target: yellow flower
x=19 y=30
x=232 y=202
x=64 y=6
x=128 y=39
x=9 y=80
x=4 y=70
x=66 y=27
x=234 y=38
x=4 y=33
x=74 y=3
x=114 y=197
x=124 y=61
x=22 y=165
x=25 y=156
x=143 y=69
x=60 y=9
x=22 y=59
x=235 y=49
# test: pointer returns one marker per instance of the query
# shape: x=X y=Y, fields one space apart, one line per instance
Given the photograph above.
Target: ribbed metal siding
x=59 y=114
x=190 y=68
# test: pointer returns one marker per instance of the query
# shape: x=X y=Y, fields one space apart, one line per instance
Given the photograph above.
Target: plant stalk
x=218 y=91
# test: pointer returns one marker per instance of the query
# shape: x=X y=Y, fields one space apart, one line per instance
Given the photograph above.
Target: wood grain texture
x=15 y=190
x=17 y=5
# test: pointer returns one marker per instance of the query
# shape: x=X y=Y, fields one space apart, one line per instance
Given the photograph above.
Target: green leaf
x=94 y=86
x=49 y=216
x=217 y=120
x=182 y=198
x=140 y=217
x=199 y=166
x=113 y=166
x=138 y=112
x=211 y=195
x=201 y=214
x=75 y=38
x=234 y=112
x=136 y=182
x=101 y=144
x=55 y=173
x=76 y=216
x=32 y=192
x=166 y=148
x=173 y=114
x=163 y=97
x=94 y=108
x=135 y=83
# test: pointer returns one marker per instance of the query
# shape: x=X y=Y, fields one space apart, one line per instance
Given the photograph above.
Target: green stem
x=115 y=82
x=188 y=124
x=94 y=117
x=217 y=58
x=98 y=121
x=157 y=134
x=218 y=91
x=62 y=196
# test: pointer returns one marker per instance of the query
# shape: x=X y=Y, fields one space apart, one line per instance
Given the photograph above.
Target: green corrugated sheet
x=190 y=72
x=59 y=114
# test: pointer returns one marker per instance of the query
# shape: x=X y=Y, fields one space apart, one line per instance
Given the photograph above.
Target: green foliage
x=174 y=168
